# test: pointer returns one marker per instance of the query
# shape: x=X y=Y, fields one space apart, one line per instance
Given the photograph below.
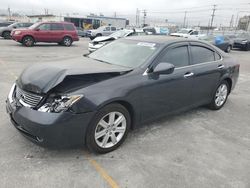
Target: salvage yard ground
x=198 y=148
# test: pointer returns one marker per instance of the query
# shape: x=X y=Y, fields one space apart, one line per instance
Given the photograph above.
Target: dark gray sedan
x=118 y=88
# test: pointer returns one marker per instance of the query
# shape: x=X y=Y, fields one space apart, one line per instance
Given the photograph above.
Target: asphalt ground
x=198 y=148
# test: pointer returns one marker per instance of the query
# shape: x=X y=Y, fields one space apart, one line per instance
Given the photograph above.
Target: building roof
x=41 y=15
x=105 y=17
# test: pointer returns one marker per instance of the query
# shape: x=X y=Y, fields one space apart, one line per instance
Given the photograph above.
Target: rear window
x=56 y=27
x=69 y=27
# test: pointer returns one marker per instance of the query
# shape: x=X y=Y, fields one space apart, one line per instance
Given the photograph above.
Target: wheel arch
x=125 y=104
x=229 y=81
x=28 y=35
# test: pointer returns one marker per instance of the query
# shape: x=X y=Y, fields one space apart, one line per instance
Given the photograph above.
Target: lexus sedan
x=118 y=88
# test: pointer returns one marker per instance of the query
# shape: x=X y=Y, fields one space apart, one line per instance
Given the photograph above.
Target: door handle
x=221 y=66
x=188 y=74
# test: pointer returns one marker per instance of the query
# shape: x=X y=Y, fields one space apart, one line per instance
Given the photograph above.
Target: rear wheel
x=247 y=47
x=28 y=41
x=67 y=41
x=220 y=96
x=6 y=35
x=109 y=129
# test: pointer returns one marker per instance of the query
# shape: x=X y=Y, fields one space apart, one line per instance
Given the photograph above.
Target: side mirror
x=14 y=27
x=164 y=68
x=37 y=29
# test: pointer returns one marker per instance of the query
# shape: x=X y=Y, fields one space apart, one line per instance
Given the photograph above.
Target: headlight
x=244 y=41
x=17 y=32
x=60 y=103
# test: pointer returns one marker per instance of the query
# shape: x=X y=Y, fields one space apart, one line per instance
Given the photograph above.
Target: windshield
x=127 y=53
x=34 y=26
x=184 y=31
x=120 y=34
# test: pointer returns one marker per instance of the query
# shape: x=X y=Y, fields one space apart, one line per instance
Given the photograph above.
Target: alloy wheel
x=110 y=129
x=221 y=95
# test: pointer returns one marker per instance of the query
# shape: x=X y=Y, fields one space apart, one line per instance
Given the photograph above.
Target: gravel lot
x=198 y=148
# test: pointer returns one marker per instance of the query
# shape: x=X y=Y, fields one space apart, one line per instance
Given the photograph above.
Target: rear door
x=207 y=67
x=42 y=33
x=57 y=32
x=106 y=31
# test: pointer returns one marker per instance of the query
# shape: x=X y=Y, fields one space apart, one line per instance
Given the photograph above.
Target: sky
x=198 y=11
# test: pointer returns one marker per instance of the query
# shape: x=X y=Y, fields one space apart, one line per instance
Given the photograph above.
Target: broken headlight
x=59 y=103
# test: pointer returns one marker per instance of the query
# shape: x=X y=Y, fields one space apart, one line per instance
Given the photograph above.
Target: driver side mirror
x=14 y=27
x=164 y=68
x=37 y=29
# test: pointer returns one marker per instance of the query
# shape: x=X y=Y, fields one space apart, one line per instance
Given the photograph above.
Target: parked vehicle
x=101 y=31
x=118 y=88
x=182 y=32
x=194 y=35
x=81 y=32
x=5 y=24
x=222 y=42
x=6 y=31
x=63 y=33
x=242 y=41
x=99 y=42
x=156 y=30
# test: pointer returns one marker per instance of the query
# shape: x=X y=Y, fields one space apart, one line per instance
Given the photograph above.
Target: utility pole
x=212 y=19
x=231 y=21
x=115 y=14
x=185 y=17
x=144 y=17
x=9 y=13
x=137 y=17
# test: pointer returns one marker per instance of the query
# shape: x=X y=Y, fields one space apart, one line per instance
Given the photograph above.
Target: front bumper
x=17 y=38
x=240 y=45
x=50 y=129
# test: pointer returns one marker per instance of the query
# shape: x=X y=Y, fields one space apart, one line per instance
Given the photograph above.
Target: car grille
x=27 y=99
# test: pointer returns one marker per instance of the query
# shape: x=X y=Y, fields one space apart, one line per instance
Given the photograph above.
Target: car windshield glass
x=14 y=24
x=119 y=34
x=127 y=53
x=184 y=31
x=34 y=26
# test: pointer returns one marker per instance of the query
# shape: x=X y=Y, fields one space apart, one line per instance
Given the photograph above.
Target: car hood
x=240 y=39
x=43 y=77
x=103 y=38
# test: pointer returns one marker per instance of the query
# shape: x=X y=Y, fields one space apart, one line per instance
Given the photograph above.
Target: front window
x=120 y=34
x=44 y=27
x=127 y=53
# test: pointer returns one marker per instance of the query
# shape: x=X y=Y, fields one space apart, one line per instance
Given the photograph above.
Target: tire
x=97 y=134
x=6 y=35
x=67 y=41
x=98 y=35
x=247 y=48
x=229 y=48
x=220 y=96
x=28 y=41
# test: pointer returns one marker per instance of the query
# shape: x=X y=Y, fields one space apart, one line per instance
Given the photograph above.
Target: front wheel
x=220 y=96
x=67 y=41
x=28 y=41
x=109 y=129
x=229 y=48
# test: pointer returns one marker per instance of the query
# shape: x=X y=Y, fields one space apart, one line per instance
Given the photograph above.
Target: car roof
x=158 y=39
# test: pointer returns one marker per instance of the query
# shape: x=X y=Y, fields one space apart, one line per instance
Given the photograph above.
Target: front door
x=42 y=33
x=168 y=93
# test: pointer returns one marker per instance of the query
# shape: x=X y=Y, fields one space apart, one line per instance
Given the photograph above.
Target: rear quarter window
x=69 y=27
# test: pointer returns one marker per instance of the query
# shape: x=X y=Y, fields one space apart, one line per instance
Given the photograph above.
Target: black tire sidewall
x=213 y=105
x=6 y=33
x=90 y=134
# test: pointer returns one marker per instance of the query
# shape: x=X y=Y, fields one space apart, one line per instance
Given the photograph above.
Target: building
x=243 y=23
x=89 y=22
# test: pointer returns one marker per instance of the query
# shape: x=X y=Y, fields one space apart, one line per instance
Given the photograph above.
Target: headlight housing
x=17 y=32
x=60 y=103
x=244 y=41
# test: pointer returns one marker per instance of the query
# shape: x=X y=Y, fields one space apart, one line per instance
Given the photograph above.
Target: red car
x=63 y=33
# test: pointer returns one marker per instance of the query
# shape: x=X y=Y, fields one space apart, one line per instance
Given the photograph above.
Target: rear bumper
x=50 y=129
